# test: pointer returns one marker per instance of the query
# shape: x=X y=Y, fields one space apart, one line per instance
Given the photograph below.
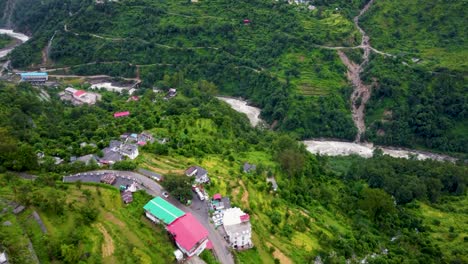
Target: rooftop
x=33 y=74
x=234 y=216
x=188 y=232
x=163 y=210
x=120 y=114
x=79 y=93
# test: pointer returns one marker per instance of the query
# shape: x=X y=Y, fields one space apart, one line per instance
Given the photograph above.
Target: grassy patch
x=447 y=224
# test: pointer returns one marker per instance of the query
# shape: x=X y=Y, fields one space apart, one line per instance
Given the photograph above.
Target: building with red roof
x=190 y=236
x=121 y=114
x=79 y=93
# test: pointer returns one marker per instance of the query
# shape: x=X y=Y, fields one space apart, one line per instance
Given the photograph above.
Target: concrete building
x=236 y=223
x=79 y=97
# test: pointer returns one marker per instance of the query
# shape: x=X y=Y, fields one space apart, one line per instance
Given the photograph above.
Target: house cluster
x=79 y=97
x=218 y=204
x=188 y=233
x=127 y=146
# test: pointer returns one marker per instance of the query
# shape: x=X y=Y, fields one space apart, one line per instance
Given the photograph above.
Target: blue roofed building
x=34 y=77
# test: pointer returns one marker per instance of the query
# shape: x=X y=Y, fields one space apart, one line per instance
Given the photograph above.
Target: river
x=253 y=113
x=334 y=147
x=18 y=36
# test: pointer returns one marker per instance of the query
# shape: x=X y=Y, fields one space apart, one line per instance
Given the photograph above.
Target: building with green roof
x=159 y=210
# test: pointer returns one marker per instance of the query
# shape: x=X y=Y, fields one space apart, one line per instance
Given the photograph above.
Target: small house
x=190 y=236
x=110 y=156
x=159 y=210
x=127 y=196
x=171 y=93
x=247 y=168
x=201 y=175
x=129 y=150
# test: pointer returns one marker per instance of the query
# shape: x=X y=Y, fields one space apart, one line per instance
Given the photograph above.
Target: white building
x=238 y=229
x=129 y=150
x=79 y=97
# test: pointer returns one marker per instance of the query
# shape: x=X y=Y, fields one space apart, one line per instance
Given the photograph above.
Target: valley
x=337 y=145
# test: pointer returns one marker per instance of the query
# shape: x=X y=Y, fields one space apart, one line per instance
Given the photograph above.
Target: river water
x=19 y=36
x=334 y=147
x=253 y=113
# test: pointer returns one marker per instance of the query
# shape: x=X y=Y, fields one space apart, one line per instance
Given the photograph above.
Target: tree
x=179 y=187
x=377 y=203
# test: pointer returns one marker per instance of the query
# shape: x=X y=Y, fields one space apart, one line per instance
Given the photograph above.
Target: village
x=206 y=222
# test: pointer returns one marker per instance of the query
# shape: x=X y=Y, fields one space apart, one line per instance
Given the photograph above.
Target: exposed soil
x=279 y=255
x=245 y=195
x=108 y=245
x=111 y=218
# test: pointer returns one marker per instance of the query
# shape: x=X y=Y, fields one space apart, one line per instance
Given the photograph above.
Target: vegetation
x=321 y=206
x=337 y=209
x=430 y=31
x=82 y=223
x=5 y=40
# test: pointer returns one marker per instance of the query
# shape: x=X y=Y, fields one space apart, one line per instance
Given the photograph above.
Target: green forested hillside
x=421 y=98
x=432 y=31
x=273 y=58
x=335 y=208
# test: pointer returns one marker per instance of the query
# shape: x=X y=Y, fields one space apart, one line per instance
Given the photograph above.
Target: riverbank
x=366 y=150
x=19 y=37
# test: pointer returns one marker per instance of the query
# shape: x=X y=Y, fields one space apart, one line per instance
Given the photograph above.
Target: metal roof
x=33 y=74
x=163 y=210
x=188 y=232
